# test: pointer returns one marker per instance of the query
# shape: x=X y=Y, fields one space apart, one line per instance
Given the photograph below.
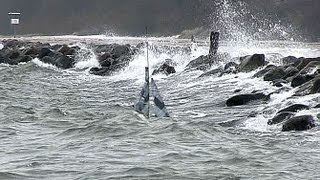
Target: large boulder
x=245 y=99
x=274 y=74
x=299 y=123
x=202 y=63
x=205 y=63
x=264 y=71
x=165 y=68
x=31 y=51
x=301 y=79
x=250 y=63
x=280 y=117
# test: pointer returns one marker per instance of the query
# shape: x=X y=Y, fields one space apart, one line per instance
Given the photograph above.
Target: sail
x=142 y=103
x=159 y=108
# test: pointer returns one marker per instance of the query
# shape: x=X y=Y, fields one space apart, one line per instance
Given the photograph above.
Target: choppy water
x=57 y=124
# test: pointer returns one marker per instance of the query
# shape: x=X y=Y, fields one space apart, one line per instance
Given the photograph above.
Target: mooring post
x=214 y=43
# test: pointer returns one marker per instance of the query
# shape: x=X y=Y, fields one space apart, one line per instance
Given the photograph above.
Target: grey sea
x=70 y=124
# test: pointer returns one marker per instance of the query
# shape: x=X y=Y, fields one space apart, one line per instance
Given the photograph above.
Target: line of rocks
x=111 y=57
x=301 y=73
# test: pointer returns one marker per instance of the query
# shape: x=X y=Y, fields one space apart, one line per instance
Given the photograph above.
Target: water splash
x=240 y=24
x=86 y=58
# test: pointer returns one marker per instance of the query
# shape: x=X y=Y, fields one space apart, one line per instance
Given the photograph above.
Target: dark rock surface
x=299 y=123
x=165 y=68
x=245 y=99
x=294 y=108
x=250 y=63
x=280 y=117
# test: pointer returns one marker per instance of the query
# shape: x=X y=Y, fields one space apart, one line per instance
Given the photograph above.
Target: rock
x=310 y=68
x=264 y=71
x=104 y=48
x=44 y=52
x=294 y=108
x=290 y=71
x=13 y=43
x=48 y=60
x=120 y=50
x=6 y=60
x=245 y=98
x=316 y=87
x=106 y=62
x=104 y=71
x=204 y=63
x=299 y=123
x=31 y=51
x=165 y=69
x=280 y=117
x=306 y=61
x=301 y=79
x=64 y=62
x=24 y=58
x=230 y=68
x=212 y=72
x=274 y=74
x=250 y=63
x=66 y=50
x=317 y=106
x=291 y=60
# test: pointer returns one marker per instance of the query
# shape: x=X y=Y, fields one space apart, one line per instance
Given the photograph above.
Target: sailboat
x=149 y=101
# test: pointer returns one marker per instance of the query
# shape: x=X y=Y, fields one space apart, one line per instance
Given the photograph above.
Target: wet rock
x=317 y=106
x=245 y=99
x=280 y=117
x=274 y=74
x=204 y=63
x=294 y=108
x=104 y=71
x=301 y=79
x=120 y=50
x=290 y=71
x=66 y=50
x=212 y=72
x=264 y=71
x=165 y=68
x=299 y=123
x=23 y=58
x=44 y=52
x=106 y=62
x=316 y=87
x=48 y=60
x=230 y=68
x=291 y=60
x=6 y=60
x=31 y=51
x=64 y=62
x=250 y=63
x=304 y=62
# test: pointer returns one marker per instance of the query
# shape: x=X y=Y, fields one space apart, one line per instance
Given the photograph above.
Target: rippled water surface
x=68 y=124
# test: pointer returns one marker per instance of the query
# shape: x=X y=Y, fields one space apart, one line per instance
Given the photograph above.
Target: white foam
x=1 y=46
x=42 y=64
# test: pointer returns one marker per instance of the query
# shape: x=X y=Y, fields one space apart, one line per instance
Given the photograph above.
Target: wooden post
x=214 y=43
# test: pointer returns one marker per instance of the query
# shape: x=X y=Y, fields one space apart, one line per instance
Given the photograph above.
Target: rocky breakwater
x=111 y=57
x=300 y=74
